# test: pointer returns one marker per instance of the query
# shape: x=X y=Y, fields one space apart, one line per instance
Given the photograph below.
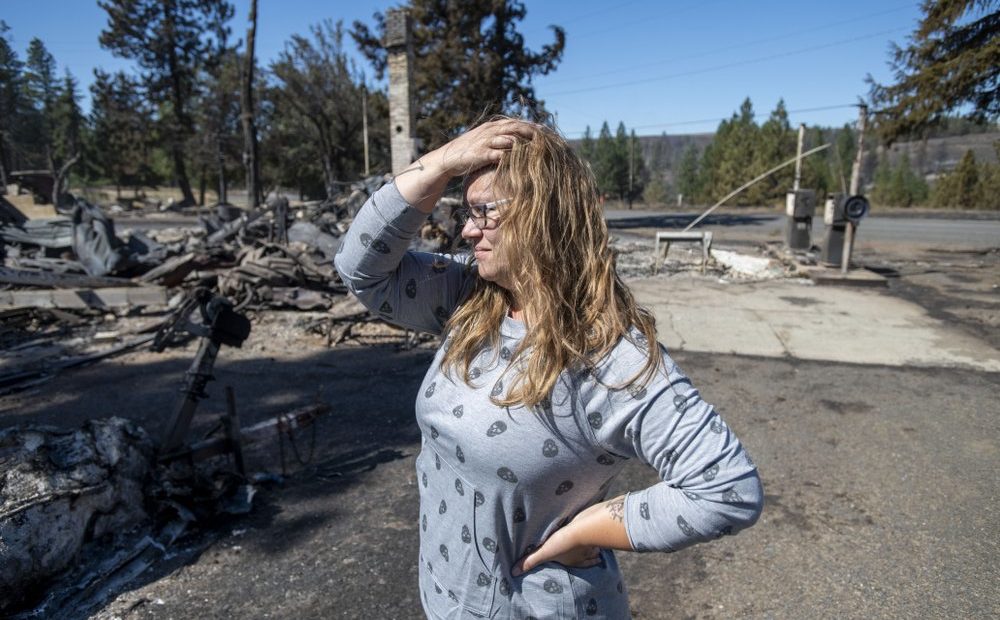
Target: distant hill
x=664 y=151
x=930 y=157
x=937 y=155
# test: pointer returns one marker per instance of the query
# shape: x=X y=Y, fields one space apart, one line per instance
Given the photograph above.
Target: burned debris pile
x=64 y=279
x=60 y=489
x=84 y=511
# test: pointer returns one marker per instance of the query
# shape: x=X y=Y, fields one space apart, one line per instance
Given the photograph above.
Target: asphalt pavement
x=928 y=229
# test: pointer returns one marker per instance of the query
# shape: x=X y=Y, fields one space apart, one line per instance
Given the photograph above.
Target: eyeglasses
x=480 y=214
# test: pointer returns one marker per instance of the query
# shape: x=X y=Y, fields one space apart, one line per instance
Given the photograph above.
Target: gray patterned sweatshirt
x=495 y=482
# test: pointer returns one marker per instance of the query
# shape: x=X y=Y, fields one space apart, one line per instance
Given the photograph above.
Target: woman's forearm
x=423 y=182
x=601 y=526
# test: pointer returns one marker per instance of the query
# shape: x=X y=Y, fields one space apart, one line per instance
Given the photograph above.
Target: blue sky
x=674 y=66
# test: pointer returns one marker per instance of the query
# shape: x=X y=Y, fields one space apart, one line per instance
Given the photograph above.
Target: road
x=966 y=233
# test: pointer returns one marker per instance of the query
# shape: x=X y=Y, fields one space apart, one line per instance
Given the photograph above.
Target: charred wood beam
x=231 y=228
x=60 y=280
x=173 y=271
x=80 y=298
x=284 y=423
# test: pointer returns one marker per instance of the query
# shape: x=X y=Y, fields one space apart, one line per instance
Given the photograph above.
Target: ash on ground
x=637 y=258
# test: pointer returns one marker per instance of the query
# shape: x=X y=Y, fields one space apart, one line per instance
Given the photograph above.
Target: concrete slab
x=791 y=318
x=854 y=277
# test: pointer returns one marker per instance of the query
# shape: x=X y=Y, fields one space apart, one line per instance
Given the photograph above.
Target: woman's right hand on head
x=423 y=182
x=480 y=146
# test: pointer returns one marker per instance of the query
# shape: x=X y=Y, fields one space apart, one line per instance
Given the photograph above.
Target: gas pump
x=800 y=206
x=841 y=214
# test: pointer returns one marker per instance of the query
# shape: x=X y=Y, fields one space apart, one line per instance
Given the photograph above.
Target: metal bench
x=667 y=237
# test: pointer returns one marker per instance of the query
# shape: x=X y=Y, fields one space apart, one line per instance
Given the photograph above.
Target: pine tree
x=170 y=40
x=619 y=163
x=959 y=189
x=638 y=172
x=587 y=145
x=64 y=150
x=777 y=143
x=52 y=116
x=215 y=110
x=689 y=175
x=10 y=102
x=604 y=161
x=731 y=159
x=952 y=62
x=316 y=84
x=40 y=89
x=470 y=61
x=122 y=126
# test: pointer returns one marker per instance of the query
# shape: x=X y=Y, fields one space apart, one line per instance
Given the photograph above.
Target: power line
x=733 y=47
x=728 y=65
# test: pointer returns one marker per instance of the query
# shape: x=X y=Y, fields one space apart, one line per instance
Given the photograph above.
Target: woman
x=549 y=378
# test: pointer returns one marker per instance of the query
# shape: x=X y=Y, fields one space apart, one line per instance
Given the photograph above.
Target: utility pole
x=845 y=261
x=631 y=160
x=250 y=155
x=798 y=157
x=364 y=124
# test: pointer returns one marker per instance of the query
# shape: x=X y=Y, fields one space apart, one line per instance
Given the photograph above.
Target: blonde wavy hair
x=554 y=241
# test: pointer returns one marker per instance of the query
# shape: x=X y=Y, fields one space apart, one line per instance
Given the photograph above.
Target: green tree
x=318 y=87
x=40 y=89
x=730 y=160
x=170 y=40
x=898 y=185
x=638 y=173
x=620 y=163
x=656 y=191
x=776 y=143
x=66 y=122
x=989 y=182
x=52 y=116
x=959 y=189
x=602 y=162
x=689 y=175
x=952 y=62
x=122 y=128
x=11 y=104
x=845 y=147
x=587 y=145
x=469 y=61
x=217 y=147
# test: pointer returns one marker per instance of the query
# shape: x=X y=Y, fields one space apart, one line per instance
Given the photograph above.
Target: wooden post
x=364 y=125
x=845 y=261
x=232 y=429
x=631 y=159
x=798 y=157
x=859 y=156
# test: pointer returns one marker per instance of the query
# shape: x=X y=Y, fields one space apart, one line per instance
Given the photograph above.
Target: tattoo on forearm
x=414 y=167
x=616 y=508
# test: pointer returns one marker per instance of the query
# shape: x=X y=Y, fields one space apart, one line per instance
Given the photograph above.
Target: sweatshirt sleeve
x=709 y=484
x=417 y=290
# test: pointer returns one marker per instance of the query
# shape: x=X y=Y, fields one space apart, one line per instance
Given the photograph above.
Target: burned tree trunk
x=3 y=166
x=247 y=114
x=59 y=175
x=223 y=196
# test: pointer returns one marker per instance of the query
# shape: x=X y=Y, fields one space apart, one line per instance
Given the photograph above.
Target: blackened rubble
x=84 y=510
x=67 y=278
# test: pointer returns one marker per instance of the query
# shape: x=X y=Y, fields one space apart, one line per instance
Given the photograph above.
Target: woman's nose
x=470 y=230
